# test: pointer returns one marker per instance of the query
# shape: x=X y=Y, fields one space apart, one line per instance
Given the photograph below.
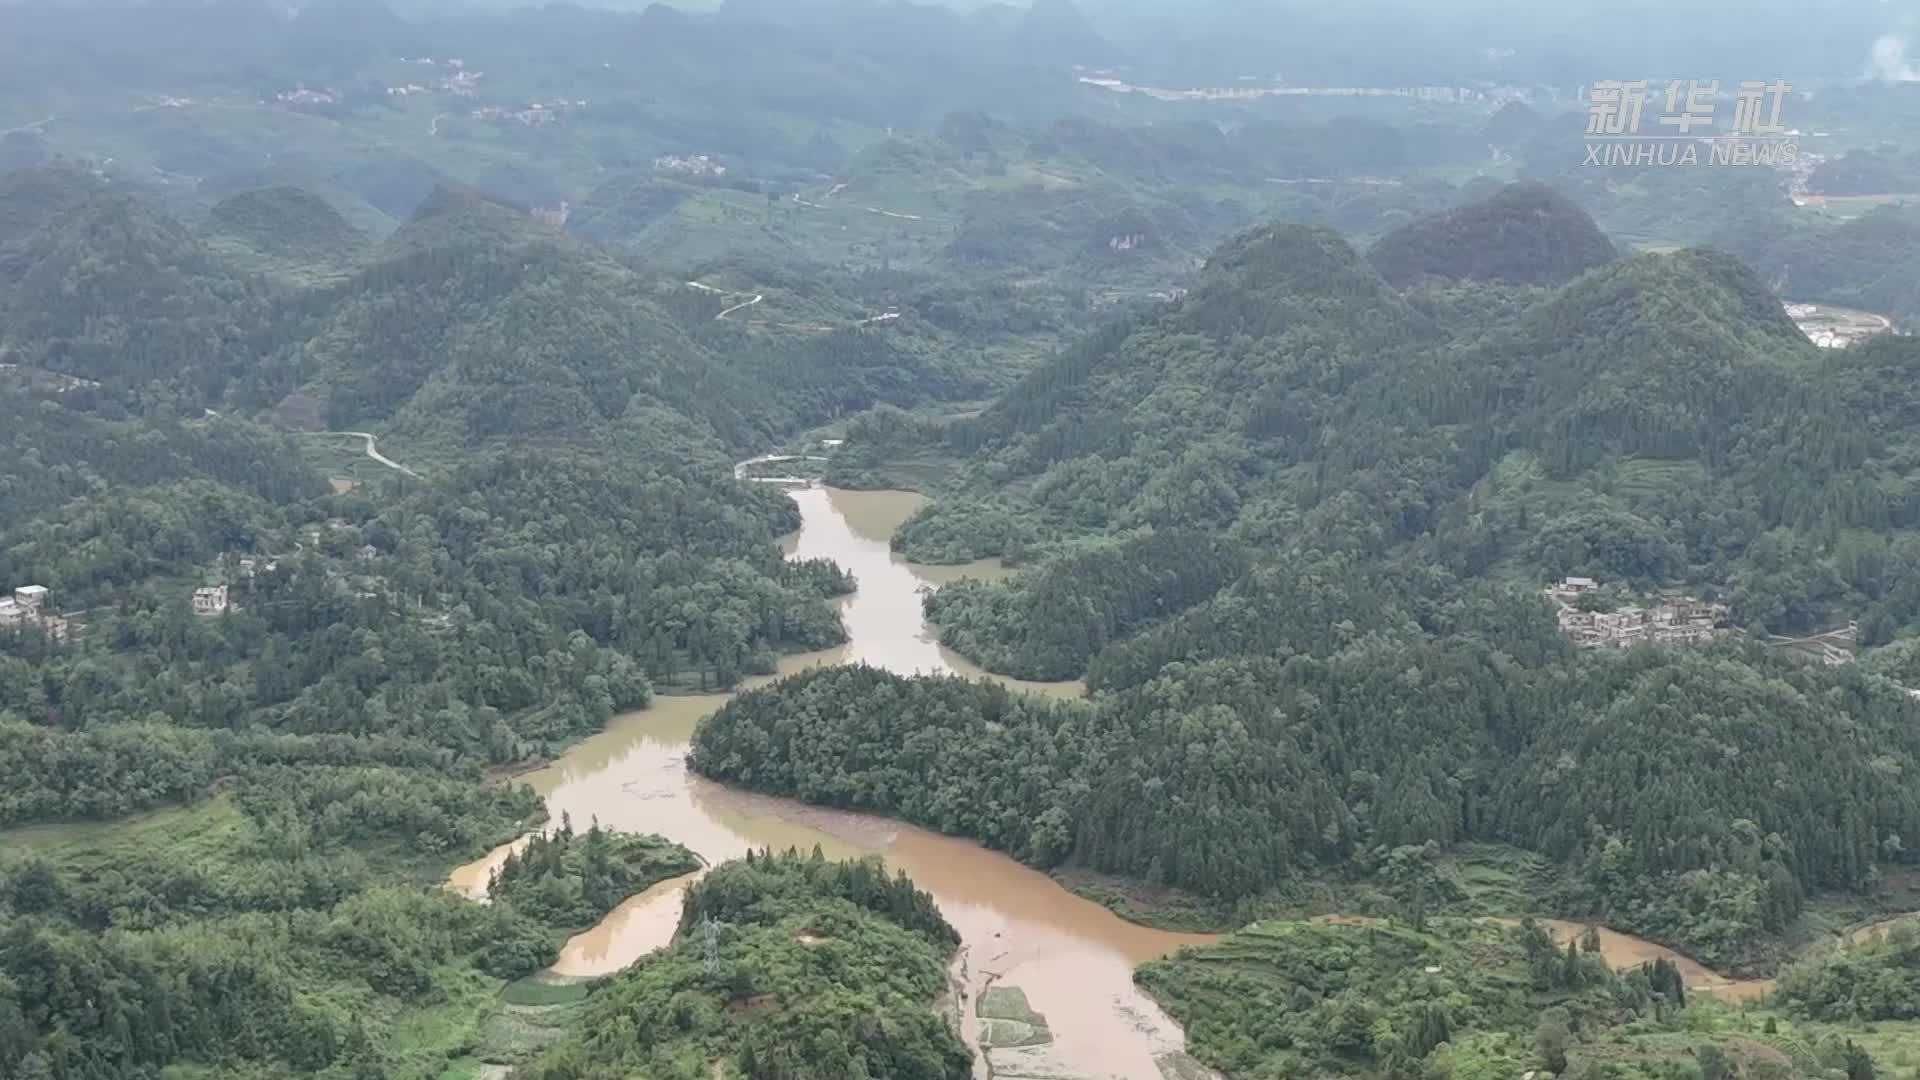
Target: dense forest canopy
x=1526 y=234
x=1235 y=778
x=1657 y=422
x=827 y=970
x=370 y=381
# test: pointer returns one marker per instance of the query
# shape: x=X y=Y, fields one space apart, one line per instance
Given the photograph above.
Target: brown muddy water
x=1072 y=958
x=1619 y=951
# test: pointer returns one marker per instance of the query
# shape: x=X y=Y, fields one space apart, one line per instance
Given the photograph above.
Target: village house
x=251 y=566
x=696 y=165
x=210 y=601
x=27 y=607
x=1569 y=587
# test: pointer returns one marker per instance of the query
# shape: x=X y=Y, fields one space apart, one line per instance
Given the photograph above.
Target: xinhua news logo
x=1755 y=136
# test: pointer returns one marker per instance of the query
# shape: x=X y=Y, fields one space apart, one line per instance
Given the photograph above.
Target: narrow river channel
x=1073 y=959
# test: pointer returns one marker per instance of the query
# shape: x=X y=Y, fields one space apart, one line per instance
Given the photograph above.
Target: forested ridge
x=1290 y=526
x=1234 y=779
x=1658 y=422
x=471 y=324
x=226 y=833
x=314 y=756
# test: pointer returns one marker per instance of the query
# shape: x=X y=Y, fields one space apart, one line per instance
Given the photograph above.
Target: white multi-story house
x=210 y=601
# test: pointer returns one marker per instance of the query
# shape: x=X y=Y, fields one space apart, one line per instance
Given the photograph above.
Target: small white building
x=210 y=601
x=31 y=597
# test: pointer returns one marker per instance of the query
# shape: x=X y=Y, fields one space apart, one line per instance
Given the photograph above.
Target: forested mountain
x=1658 y=421
x=96 y=285
x=1525 y=234
x=289 y=223
x=308 y=751
x=1282 y=398
x=473 y=322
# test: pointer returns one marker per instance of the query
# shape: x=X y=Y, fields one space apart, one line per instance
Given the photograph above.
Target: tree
x=1552 y=1038
x=1713 y=1062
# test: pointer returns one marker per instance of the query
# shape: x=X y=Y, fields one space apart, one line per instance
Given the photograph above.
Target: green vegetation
x=1379 y=998
x=1486 y=998
x=825 y=970
x=1867 y=262
x=569 y=879
x=1233 y=780
x=1287 y=508
x=277 y=927
x=1658 y=421
x=287 y=230
x=1049 y=622
x=1525 y=234
x=253 y=930
x=1878 y=979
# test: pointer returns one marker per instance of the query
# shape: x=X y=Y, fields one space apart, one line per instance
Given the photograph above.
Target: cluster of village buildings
x=697 y=165
x=27 y=609
x=1677 y=620
x=534 y=114
x=458 y=79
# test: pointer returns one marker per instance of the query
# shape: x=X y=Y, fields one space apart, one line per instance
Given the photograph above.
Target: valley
x=1069 y=959
x=838 y=540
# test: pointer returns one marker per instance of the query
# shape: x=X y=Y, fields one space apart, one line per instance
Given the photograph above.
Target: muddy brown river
x=1072 y=958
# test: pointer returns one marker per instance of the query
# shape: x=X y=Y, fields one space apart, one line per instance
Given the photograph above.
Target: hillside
x=1524 y=234
x=1055 y=32
x=107 y=289
x=287 y=223
x=1421 y=469
x=1870 y=262
x=473 y=322
x=457 y=216
x=476 y=338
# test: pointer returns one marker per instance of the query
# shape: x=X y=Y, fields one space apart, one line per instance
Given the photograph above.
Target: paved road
x=374 y=453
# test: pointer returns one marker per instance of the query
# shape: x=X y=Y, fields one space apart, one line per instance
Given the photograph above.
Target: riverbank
x=1070 y=958
x=1060 y=942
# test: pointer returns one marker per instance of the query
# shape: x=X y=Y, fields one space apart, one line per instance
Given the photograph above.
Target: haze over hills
x=1345 y=521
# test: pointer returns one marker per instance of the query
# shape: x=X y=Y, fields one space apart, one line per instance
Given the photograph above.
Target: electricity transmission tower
x=711 y=931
